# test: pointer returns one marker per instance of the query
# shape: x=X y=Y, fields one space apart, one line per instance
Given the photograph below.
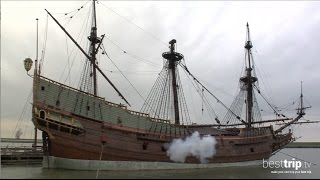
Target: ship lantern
x=28 y=64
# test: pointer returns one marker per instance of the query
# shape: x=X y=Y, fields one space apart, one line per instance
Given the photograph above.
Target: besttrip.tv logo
x=286 y=164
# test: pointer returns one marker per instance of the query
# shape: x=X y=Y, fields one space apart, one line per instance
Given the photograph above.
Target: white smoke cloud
x=200 y=147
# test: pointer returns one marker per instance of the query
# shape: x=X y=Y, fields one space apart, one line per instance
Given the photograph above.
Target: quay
x=303 y=145
x=21 y=151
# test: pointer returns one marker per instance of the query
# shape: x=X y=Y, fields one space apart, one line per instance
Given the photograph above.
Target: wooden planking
x=77 y=102
x=125 y=146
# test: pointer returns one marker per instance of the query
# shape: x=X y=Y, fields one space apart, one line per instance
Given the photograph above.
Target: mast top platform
x=172 y=55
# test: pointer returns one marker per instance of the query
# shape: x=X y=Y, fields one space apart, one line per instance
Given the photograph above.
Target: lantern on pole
x=28 y=64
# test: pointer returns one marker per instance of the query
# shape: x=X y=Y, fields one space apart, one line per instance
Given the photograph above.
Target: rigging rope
x=273 y=107
x=76 y=10
x=268 y=89
x=22 y=113
x=86 y=81
x=194 y=109
x=208 y=106
x=288 y=105
x=204 y=99
x=165 y=44
x=186 y=69
x=134 y=56
x=153 y=96
x=131 y=72
x=182 y=101
x=122 y=74
x=161 y=94
x=44 y=45
x=236 y=106
x=68 y=63
x=297 y=158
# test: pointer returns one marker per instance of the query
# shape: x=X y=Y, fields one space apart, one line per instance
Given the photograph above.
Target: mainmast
x=94 y=40
x=249 y=80
x=174 y=58
x=166 y=99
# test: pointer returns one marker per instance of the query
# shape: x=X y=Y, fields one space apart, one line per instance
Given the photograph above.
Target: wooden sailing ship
x=81 y=130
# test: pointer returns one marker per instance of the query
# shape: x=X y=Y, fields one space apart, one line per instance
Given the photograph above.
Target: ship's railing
x=161 y=120
x=74 y=89
x=86 y=93
x=147 y=115
x=138 y=113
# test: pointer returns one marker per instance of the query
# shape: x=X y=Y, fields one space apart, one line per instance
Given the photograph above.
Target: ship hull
x=122 y=144
x=81 y=128
x=126 y=153
x=117 y=148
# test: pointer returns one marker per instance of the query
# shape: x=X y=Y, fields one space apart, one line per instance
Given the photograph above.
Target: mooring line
x=298 y=158
x=99 y=161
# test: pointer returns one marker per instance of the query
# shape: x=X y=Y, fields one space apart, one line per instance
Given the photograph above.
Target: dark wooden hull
x=122 y=143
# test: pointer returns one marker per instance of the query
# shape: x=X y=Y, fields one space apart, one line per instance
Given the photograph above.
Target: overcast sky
x=210 y=35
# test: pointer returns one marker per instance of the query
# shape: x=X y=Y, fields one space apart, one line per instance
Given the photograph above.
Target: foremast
x=94 y=41
x=249 y=80
x=93 y=51
x=300 y=113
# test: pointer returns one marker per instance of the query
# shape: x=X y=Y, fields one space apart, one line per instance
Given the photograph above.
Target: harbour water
x=289 y=163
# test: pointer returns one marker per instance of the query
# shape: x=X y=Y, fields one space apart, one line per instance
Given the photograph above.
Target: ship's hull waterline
x=78 y=164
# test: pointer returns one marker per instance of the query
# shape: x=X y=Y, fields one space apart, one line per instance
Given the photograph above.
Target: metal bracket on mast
x=96 y=51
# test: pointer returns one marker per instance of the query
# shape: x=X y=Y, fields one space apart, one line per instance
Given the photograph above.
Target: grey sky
x=210 y=35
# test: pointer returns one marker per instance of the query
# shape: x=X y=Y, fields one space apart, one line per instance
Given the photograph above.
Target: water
x=250 y=172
